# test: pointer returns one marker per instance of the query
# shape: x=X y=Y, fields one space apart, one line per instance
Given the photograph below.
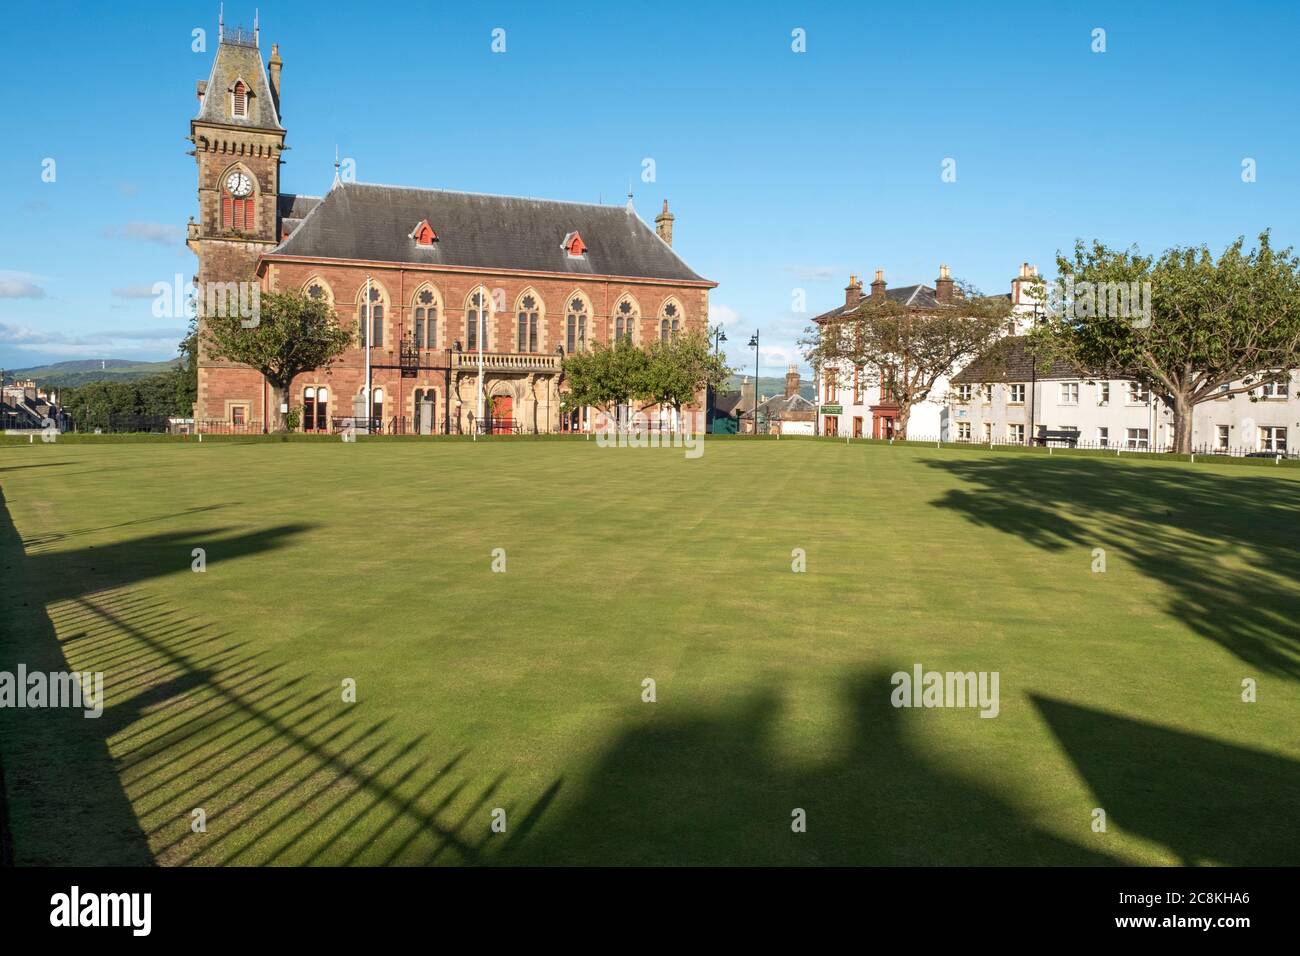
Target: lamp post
x=1033 y=378
x=753 y=344
x=718 y=338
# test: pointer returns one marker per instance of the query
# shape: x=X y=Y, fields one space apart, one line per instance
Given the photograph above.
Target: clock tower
x=238 y=143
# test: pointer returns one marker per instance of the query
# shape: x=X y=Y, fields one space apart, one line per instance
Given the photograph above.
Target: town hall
x=441 y=284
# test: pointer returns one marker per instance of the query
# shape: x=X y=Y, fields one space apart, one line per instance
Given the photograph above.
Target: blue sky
x=785 y=170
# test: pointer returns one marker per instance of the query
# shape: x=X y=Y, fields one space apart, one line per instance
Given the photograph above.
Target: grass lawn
x=522 y=690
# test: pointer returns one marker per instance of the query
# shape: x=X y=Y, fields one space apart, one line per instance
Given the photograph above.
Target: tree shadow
x=282 y=771
x=708 y=789
x=1207 y=801
x=1226 y=546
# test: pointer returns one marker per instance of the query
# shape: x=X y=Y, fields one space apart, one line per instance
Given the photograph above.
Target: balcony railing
x=506 y=361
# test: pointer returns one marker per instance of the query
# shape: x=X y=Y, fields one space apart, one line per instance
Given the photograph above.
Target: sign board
x=832 y=409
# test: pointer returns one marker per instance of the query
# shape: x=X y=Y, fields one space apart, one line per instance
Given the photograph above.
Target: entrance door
x=831 y=425
x=502 y=414
x=424 y=412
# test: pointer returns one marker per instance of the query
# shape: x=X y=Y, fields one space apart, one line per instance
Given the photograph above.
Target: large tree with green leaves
x=603 y=376
x=678 y=369
x=1205 y=328
x=293 y=333
x=908 y=351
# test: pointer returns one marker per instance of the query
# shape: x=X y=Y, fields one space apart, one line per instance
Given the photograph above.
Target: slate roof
x=915 y=296
x=727 y=403
x=1010 y=361
x=237 y=61
x=364 y=221
x=292 y=210
x=784 y=407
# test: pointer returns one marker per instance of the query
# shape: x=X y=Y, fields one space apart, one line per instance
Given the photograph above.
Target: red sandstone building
x=553 y=277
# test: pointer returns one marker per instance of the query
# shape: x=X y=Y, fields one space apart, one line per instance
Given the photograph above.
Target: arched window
x=238 y=203
x=625 y=316
x=424 y=319
x=476 y=321
x=575 y=324
x=377 y=407
x=670 y=323
x=376 y=314
x=528 y=312
x=315 y=408
x=239 y=100
x=318 y=289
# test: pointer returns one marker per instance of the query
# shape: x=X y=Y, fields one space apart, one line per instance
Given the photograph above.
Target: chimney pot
x=878 y=285
x=943 y=286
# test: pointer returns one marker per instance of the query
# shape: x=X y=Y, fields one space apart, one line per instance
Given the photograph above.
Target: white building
x=1006 y=400
x=850 y=405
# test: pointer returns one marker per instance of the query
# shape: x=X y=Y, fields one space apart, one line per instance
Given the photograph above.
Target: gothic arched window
x=319 y=290
x=528 y=311
x=575 y=325
x=625 y=316
x=476 y=319
x=376 y=315
x=424 y=322
x=670 y=324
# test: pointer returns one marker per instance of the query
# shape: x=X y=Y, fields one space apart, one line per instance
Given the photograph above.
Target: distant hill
x=771 y=385
x=84 y=371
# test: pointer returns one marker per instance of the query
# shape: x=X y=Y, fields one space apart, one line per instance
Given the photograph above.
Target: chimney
x=878 y=285
x=664 y=224
x=274 y=67
x=792 y=376
x=1020 y=294
x=746 y=395
x=853 y=292
x=943 y=286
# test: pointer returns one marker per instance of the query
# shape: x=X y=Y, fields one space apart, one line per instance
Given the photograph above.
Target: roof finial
x=256 y=29
x=336 y=165
x=629 y=197
x=221 y=21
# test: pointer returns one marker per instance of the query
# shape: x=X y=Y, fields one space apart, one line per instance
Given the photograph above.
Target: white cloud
x=106 y=342
x=722 y=314
x=162 y=233
x=812 y=273
x=19 y=285
x=135 y=292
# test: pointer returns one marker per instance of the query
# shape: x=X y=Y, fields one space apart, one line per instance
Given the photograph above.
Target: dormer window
x=239 y=100
x=574 y=246
x=423 y=234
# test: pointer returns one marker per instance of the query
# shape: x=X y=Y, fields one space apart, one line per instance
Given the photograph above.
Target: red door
x=502 y=415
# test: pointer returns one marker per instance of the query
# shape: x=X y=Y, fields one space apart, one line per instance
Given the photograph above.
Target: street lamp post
x=753 y=344
x=718 y=338
x=1033 y=379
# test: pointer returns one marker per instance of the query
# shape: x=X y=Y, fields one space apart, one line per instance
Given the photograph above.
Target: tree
x=678 y=369
x=603 y=376
x=294 y=333
x=1202 y=328
x=906 y=351
x=189 y=382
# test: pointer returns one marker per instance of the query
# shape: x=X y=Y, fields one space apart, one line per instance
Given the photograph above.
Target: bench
x=1068 y=437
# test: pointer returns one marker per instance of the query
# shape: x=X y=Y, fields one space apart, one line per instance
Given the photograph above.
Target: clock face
x=239 y=184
